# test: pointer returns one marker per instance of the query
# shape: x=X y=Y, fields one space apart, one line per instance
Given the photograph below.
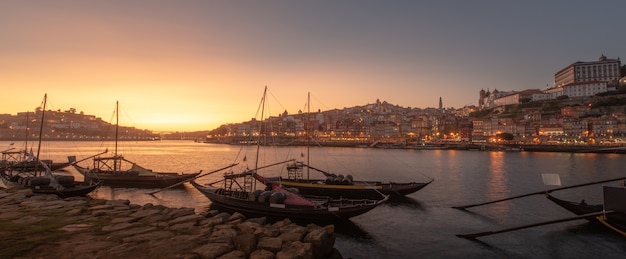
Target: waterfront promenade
x=45 y=226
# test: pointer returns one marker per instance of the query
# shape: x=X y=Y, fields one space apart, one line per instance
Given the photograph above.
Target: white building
x=604 y=69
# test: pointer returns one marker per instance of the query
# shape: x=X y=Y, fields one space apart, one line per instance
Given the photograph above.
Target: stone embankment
x=45 y=226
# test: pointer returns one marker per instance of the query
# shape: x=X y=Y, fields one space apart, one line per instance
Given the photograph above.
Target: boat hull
x=578 y=208
x=74 y=189
x=129 y=180
x=226 y=200
x=364 y=190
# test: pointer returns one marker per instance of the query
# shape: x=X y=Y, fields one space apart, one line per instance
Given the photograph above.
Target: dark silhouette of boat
x=45 y=182
x=278 y=202
x=343 y=186
x=35 y=174
x=614 y=208
x=116 y=171
x=578 y=208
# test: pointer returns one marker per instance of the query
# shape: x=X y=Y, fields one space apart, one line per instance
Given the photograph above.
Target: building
x=607 y=70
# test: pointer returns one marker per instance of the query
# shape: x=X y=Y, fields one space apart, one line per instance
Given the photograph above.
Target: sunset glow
x=194 y=65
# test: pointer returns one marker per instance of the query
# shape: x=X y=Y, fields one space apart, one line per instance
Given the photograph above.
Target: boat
x=338 y=185
x=278 y=202
x=343 y=186
x=40 y=178
x=578 y=208
x=45 y=182
x=613 y=208
x=117 y=171
x=22 y=160
x=239 y=193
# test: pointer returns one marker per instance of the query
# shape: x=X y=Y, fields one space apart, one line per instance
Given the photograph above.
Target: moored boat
x=45 y=182
x=116 y=171
x=38 y=176
x=278 y=202
x=343 y=186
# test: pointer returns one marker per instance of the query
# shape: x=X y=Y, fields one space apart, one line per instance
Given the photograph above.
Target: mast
x=117 y=125
x=26 y=137
x=43 y=112
x=308 y=138
x=258 y=142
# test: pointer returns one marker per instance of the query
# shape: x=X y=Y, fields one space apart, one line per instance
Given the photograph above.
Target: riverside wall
x=46 y=226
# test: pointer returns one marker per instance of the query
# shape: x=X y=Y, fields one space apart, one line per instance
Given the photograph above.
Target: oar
x=539 y=192
x=487 y=233
x=198 y=176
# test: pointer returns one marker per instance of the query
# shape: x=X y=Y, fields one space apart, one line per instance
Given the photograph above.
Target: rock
x=262 y=254
x=245 y=242
x=296 y=250
x=212 y=250
x=235 y=254
x=322 y=241
x=272 y=244
x=81 y=227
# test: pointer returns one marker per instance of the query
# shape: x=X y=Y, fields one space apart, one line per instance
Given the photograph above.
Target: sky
x=194 y=65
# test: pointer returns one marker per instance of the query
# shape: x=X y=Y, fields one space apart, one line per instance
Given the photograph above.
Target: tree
x=505 y=136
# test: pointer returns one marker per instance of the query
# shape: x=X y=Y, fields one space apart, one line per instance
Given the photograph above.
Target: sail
x=614 y=198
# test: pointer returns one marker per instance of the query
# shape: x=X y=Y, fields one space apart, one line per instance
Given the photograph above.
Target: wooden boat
x=116 y=171
x=22 y=160
x=239 y=194
x=615 y=218
x=282 y=203
x=339 y=186
x=578 y=208
x=40 y=178
x=45 y=182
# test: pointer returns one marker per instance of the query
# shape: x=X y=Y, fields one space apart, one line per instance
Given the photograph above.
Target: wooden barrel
x=278 y=197
x=265 y=196
x=38 y=181
x=254 y=196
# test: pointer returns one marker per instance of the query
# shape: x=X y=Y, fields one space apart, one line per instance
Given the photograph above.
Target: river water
x=424 y=225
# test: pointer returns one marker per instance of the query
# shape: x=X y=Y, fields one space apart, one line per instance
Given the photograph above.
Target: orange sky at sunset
x=194 y=65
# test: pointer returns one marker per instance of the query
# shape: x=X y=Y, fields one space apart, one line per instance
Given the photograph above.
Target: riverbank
x=45 y=226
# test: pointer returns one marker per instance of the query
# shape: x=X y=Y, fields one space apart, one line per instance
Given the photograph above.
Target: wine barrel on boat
x=278 y=197
x=265 y=196
x=254 y=196
x=38 y=181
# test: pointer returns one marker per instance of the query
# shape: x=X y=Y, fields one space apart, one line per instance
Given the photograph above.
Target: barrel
x=38 y=181
x=278 y=197
x=254 y=196
x=265 y=196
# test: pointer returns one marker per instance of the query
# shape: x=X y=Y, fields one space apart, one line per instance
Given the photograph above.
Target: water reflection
x=497 y=183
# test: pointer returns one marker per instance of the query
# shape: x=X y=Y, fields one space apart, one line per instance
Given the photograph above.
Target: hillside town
x=585 y=106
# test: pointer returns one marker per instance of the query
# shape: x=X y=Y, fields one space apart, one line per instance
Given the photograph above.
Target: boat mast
x=26 y=137
x=117 y=125
x=43 y=112
x=308 y=138
x=258 y=142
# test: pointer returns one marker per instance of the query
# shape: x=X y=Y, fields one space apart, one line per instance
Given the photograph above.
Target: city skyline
x=196 y=65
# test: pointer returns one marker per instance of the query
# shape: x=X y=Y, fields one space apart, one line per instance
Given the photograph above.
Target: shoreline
x=46 y=226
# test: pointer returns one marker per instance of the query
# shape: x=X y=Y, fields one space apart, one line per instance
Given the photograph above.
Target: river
x=424 y=225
